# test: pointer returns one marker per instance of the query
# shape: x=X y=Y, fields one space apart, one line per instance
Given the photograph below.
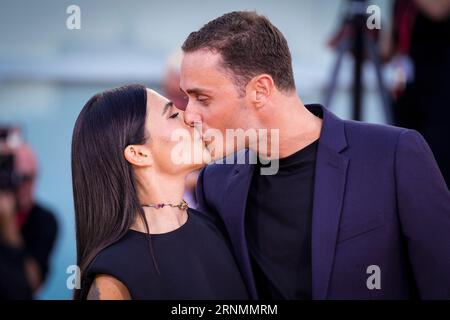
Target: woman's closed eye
x=173 y=116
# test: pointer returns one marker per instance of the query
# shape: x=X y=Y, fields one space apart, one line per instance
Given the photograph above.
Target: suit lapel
x=331 y=172
x=233 y=207
x=329 y=190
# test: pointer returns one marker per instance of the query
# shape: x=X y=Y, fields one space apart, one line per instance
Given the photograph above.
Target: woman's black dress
x=195 y=262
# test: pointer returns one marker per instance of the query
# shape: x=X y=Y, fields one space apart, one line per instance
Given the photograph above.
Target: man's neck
x=297 y=126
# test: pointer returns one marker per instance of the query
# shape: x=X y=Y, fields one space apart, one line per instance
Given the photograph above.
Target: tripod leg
x=343 y=46
x=370 y=43
x=358 y=54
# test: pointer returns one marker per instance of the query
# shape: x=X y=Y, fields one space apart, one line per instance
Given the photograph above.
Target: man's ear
x=138 y=155
x=261 y=88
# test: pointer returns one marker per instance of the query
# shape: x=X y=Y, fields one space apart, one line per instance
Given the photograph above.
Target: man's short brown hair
x=249 y=44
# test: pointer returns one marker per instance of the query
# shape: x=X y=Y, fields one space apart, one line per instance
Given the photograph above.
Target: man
x=355 y=210
x=27 y=230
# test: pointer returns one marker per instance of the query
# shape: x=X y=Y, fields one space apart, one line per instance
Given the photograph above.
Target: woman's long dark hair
x=104 y=186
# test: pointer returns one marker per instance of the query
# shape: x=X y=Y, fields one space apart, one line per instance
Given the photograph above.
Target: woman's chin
x=194 y=167
x=198 y=166
x=200 y=160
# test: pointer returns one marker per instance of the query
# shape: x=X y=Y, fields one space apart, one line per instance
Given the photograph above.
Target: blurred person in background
x=27 y=229
x=171 y=90
x=171 y=79
x=420 y=47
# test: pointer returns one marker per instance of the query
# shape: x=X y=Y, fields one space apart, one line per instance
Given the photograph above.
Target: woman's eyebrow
x=167 y=106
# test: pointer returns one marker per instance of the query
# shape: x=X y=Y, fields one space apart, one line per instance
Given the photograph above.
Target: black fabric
x=195 y=262
x=279 y=224
x=425 y=106
x=39 y=234
x=13 y=282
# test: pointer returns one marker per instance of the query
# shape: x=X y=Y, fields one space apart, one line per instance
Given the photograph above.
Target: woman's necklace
x=182 y=205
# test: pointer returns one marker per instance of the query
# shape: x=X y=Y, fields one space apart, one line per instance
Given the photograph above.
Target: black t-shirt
x=278 y=226
x=13 y=279
x=194 y=261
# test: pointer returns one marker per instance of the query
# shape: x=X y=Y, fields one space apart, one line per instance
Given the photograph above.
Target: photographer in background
x=27 y=230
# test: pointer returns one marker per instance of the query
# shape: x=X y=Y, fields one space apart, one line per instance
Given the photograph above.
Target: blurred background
x=48 y=72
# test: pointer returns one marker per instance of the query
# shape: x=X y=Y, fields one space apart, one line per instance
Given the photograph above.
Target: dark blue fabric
x=379 y=199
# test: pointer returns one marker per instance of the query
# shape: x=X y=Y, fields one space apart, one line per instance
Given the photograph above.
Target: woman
x=136 y=238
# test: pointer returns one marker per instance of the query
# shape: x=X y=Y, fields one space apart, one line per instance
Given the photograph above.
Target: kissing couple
x=353 y=210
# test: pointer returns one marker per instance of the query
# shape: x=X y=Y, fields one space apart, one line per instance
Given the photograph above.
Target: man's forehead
x=203 y=59
x=25 y=159
x=202 y=70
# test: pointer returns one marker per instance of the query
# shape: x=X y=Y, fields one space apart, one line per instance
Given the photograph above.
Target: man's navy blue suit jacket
x=379 y=200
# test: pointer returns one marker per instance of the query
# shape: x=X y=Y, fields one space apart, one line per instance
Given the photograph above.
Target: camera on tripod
x=355 y=37
x=10 y=138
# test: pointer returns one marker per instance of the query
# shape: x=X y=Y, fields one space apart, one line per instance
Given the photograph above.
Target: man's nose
x=191 y=117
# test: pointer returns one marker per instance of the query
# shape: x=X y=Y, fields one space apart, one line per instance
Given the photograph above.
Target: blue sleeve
x=423 y=201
